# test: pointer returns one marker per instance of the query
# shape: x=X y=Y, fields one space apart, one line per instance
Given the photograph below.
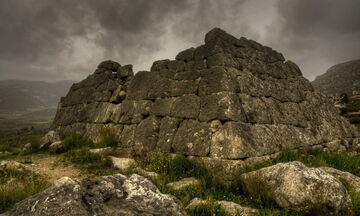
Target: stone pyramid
x=228 y=99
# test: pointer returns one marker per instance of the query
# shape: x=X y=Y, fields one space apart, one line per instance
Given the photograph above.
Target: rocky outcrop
x=295 y=187
x=340 y=78
x=107 y=195
x=230 y=99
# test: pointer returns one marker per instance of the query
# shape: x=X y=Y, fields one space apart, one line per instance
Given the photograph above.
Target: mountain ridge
x=340 y=78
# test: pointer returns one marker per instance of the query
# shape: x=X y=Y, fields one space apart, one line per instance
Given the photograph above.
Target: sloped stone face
x=260 y=102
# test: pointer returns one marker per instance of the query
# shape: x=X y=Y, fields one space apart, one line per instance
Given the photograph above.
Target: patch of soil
x=54 y=170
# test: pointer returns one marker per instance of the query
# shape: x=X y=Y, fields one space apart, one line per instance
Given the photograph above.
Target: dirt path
x=53 y=169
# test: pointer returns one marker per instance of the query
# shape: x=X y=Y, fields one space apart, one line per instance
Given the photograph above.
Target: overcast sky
x=66 y=39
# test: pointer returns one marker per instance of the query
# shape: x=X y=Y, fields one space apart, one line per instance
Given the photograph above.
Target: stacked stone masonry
x=227 y=99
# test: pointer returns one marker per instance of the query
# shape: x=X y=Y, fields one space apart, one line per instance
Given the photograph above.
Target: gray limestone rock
x=108 y=195
x=230 y=208
x=109 y=65
x=298 y=188
x=192 y=138
x=183 y=183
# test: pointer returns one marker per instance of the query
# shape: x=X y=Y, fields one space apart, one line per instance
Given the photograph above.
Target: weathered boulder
x=101 y=151
x=183 y=183
x=298 y=188
x=56 y=146
x=8 y=165
x=352 y=180
x=147 y=174
x=107 y=195
x=122 y=163
x=50 y=137
x=230 y=98
x=230 y=208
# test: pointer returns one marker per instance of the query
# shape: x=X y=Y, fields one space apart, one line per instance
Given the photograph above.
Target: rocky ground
x=280 y=186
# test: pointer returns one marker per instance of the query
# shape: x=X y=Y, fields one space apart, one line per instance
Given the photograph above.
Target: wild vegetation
x=16 y=186
x=352 y=105
x=76 y=151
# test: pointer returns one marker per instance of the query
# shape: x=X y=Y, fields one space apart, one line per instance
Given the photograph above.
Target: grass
x=107 y=138
x=315 y=158
x=259 y=193
x=355 y=197
x=210 y=207
x=90 y=163
x=16 y=186
x=210 y=187
x=256 y=194
x=76 y=150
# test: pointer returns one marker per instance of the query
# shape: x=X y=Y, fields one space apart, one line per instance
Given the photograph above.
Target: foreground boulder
x=108 y=195
x=294 y=186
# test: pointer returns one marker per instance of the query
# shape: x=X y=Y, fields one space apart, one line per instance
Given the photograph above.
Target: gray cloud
x=64 y=39
x=320 y=33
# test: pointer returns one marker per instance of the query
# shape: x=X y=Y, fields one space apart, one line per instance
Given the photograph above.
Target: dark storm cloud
x=321 y=33
x=65 y=39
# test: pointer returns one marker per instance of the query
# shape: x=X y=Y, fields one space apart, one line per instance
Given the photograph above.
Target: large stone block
x=217 y=79
x=222 y=106
x=146 y=133
x=192 y=138
x=186 y=106
x=168 y=129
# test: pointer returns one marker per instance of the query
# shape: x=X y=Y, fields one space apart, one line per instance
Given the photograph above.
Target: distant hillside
x=341 y=78
x=20 y=96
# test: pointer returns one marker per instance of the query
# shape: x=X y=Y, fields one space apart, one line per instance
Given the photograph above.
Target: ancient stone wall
x=227 y=99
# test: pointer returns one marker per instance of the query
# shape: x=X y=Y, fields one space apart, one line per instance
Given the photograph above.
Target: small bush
x=107 y=137
x=74 y=141
x=35 y=145
x=177 y=167
x=82 y=155
x=158 y=162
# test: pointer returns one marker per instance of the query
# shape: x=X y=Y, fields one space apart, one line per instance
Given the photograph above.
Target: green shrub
x=175 y=168
x=259 y=193
x=107 y=137
x=74 y=141
x=34 y=145
x=82 y=155
x=158 y=162
x=16 y=186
